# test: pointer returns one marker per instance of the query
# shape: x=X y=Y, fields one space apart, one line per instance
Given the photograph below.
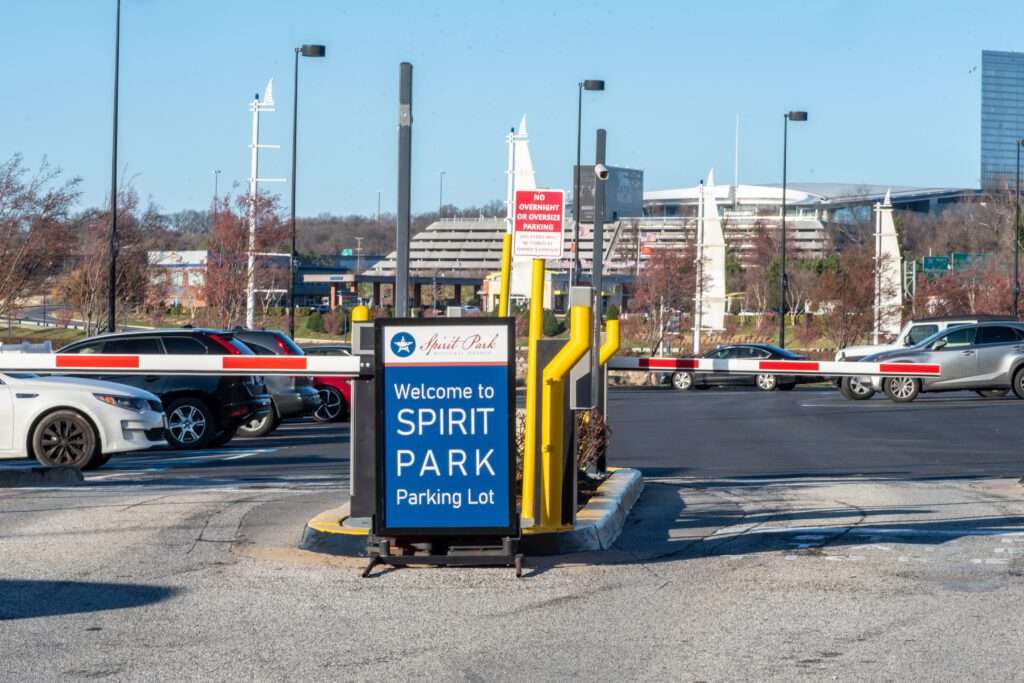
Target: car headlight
x=127 y=402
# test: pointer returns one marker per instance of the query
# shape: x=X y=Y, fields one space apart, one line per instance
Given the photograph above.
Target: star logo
x=403 y=345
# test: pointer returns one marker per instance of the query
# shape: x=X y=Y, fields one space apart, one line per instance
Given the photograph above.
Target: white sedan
x=75 y=421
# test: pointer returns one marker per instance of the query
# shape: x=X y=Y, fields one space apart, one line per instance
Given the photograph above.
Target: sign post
x=446 y=458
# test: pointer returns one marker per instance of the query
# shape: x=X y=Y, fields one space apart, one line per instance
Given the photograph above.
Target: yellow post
x=506 y=274
x=536 y=328
x=610 y=346
x=552 y=417
x=360 y=314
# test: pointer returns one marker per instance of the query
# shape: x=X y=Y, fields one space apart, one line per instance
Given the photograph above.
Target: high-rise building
x=1002 y=117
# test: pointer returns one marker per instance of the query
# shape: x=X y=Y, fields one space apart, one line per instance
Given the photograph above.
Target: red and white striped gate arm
x=157 y=364
x=781 y=367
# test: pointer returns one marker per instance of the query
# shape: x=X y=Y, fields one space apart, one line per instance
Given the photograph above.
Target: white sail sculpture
x=888 y=273
x=709 y=299
x=521 y=174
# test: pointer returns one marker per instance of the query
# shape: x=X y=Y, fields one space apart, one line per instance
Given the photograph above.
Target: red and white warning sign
x=539 y=221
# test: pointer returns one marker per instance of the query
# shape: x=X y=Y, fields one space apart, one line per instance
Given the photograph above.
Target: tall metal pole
x=112 y=277
x=404 y=190
x=597 y=272
x=440 y=197
x=574 y=270
x=254 y=169
x=213 y=214
x=295 y=139
x=1016 y=240
x=782 y=276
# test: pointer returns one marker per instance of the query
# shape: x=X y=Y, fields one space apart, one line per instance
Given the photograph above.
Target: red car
x=335 y=392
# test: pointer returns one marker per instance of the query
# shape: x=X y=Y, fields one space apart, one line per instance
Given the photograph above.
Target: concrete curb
x=63 y=475
x=329 y=533
x=598 y=524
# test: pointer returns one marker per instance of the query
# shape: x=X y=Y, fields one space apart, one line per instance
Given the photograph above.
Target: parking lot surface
x=780 y=536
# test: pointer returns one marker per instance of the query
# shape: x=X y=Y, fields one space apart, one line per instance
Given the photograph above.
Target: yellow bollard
x=552 y=418
x=530 y=458
x=359 y=314
x=610 y=346
x=506 y=274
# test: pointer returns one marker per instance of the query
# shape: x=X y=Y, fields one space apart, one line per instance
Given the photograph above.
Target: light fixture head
x=313 y=50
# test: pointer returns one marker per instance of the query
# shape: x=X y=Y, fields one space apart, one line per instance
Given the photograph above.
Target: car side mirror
x=939 y=344
x=907 y=341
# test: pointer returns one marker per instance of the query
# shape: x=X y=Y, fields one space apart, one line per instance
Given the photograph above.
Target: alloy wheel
x=766 y=382
x=64 y=442
x=330 y=405
x=902 y=387
x=187 y=424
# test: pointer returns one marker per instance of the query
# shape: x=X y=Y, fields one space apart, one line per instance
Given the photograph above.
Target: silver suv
x=987 y=358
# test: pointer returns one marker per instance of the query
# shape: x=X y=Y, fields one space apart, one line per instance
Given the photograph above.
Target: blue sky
x=889 y=86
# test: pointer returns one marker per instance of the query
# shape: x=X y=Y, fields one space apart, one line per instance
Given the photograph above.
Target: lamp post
x=591 y=85
x=112 y=275
x=440 y=196
x=305 y=51
x=1016 y=238
x=783 y=280
x=213 y=214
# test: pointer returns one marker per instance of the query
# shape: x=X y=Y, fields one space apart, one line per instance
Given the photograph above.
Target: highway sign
x=538 y=224
x=445 y=436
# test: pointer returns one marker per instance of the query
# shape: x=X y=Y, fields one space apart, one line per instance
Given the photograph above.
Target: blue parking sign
x=445 y=440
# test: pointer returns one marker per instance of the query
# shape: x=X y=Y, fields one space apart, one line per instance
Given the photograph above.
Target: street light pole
x=592 y=85
x=213 y=214
x=440 y=197
x=112 y=276
x=305 y=51
x=783 y=280
x=1016 y=239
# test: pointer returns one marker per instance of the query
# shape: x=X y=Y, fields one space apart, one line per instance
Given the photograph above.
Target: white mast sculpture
x=888 y=269
x=521 y=177
x=709 y=299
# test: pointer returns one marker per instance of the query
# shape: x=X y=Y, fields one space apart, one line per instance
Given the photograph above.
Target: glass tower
x=1002 y=117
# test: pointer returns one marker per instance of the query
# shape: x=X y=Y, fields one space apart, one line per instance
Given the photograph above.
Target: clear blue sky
x=889 y=86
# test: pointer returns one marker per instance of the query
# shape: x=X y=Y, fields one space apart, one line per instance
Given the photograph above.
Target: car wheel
x=683 y=381
x=992 y=393
x=260 y=426
x=65 y=437
x=854 y=389
x=223 y=437
x=332 y=405
x=766 y=382
x=901 y=389
x=189 y=424
x=1018 y=383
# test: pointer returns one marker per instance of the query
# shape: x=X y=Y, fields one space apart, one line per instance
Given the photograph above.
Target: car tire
x=223 y=437
x=66 y=437
x=332 y=405
x=855 y=390
x=682 y=381
x=189 y=424
x=766 y=382
x=1018 y=382
x=260 y=427
x=992 y=393
x=901 y=389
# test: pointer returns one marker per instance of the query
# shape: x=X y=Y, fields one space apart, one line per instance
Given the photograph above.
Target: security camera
x=601 y=171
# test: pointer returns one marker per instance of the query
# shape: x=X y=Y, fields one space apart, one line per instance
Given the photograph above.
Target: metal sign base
x=507 y=554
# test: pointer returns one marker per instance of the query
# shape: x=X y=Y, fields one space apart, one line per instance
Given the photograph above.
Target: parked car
x=75 y=421
x=686 y=379
x=202 y=410
x=335 y=392
x=913 y=333
x=292 y=396
x=987 y=358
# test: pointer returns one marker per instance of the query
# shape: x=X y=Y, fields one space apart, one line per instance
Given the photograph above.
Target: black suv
x=292 y=396
x=202 y=410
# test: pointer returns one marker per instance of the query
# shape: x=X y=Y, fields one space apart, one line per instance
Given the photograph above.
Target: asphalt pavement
x=780 y=536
